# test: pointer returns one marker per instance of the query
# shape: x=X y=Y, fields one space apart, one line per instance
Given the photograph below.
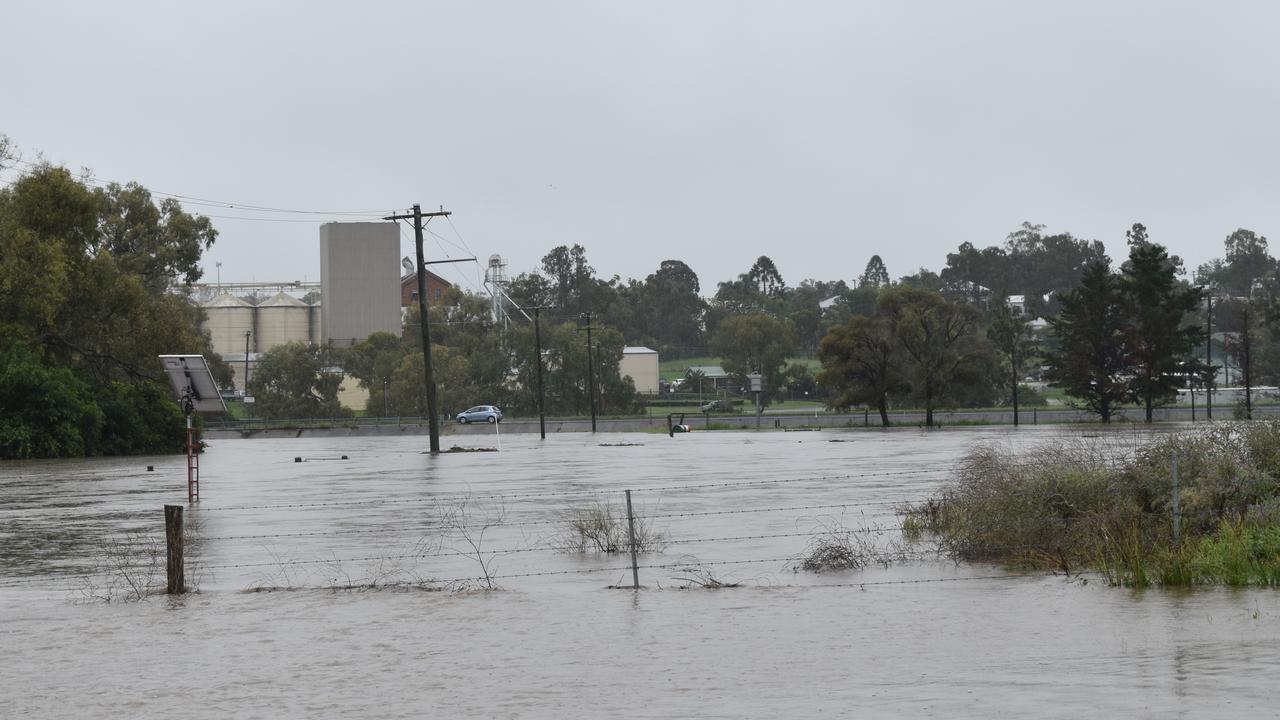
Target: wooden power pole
x=433 y=420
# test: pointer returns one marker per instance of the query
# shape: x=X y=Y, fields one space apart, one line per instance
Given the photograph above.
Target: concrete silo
x=283 y=319
x=228 y=318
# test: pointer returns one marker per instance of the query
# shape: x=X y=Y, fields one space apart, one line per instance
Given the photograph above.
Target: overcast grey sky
x=816 y=133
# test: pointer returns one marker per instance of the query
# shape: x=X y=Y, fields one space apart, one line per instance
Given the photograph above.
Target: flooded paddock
x=268 y=635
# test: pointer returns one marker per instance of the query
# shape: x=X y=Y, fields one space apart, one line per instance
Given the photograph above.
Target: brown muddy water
x=918 y=639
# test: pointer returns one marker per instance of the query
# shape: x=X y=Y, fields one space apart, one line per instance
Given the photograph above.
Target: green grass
x=675 y=369
x=1106 y=505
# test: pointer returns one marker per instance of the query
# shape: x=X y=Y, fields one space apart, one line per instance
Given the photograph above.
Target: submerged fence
x=686 y=532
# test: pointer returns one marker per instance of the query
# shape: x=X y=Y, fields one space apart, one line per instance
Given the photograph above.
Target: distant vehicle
x=717 y=406
x=480 y=413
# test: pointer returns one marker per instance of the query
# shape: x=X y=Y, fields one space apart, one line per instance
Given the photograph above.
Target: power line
x=231 y=205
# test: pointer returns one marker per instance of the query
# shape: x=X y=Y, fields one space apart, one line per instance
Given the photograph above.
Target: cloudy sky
x=816 y=133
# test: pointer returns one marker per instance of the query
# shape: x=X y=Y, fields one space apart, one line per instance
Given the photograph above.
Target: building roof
x=638 y=350
x=709 y=371
x=413 y=277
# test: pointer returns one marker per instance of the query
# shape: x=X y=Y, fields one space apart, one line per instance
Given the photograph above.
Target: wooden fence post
x=631 y=526
x=175 y=567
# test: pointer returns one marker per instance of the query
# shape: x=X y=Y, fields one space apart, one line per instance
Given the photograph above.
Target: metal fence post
x=631 y=526
x=1177 y=512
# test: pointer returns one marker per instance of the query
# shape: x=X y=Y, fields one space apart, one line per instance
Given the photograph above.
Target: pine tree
x=1090 y=357
x=1157 y=338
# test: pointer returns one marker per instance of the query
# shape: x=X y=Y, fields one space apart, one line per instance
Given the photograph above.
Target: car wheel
x=492 y=419
x=462 y=420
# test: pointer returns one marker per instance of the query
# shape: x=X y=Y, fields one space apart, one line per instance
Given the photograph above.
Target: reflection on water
x=555 y=641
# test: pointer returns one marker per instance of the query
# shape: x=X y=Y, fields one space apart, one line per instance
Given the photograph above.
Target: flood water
x=268 y=635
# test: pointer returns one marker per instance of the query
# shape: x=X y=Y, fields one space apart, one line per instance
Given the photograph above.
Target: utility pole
x=537 y=349
x=1208 y=357
x=245 y=397
x=1013 y=361
x=1246 y=353
x=433 y=421
x=591 y=371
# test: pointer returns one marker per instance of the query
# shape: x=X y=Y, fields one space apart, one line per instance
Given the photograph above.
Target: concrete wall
x=359 y=281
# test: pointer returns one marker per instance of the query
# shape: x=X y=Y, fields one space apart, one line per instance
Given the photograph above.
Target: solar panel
x=191 y=379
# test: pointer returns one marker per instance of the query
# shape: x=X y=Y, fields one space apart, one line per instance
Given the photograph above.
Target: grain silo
x=228 y=318
x=283 y=319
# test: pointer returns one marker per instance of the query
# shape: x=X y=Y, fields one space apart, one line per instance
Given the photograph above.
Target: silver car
x=480 y=413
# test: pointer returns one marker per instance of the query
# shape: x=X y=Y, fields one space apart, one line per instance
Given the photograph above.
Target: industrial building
x=360 y=292
x=359 y=281
x=641 y=365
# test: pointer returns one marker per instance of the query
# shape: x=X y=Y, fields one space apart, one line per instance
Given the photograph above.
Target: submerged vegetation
x=1117 y=509
x=603 y=527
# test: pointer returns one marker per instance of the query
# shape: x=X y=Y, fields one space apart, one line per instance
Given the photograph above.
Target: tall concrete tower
x=359 y=281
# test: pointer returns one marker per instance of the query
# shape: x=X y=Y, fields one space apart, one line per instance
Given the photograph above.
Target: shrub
x=601 y=527
x=1107 y=505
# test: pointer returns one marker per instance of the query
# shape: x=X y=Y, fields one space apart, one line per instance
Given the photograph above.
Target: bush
x=1105 y=505
x=601 y=527
x=45 y=411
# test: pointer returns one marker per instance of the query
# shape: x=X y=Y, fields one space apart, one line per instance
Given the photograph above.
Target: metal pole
x=537 y=345
x=385 y=412
x=631 y=526
x=191 y=478
x=1177 y=512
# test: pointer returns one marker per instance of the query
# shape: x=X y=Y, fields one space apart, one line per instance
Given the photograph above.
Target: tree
x=751 y=343
x=1089 y=357
x=941 y=348
x=673 y=310
x=373 y=362
x=45 y=411
x=923 y=279
x=1243 y=332
x=766 y=277
x=1010 y=334
x=861 y=365
x=87 y=283
x=1030 y=263
x=158 y=244
x=297 y=380
x=876 y=275
x=693 y=380
x=1158 y=337
x=1247 y=261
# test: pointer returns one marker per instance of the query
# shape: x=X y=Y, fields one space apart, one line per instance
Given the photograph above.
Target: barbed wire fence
x=459 y=540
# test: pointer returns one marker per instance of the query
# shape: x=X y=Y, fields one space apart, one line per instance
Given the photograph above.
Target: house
x=436 y=286
x=714 y=378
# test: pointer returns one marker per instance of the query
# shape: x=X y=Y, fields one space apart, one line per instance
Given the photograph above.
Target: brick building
x=436 y=286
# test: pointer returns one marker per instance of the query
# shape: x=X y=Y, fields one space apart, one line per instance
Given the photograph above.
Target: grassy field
x=673 y=369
